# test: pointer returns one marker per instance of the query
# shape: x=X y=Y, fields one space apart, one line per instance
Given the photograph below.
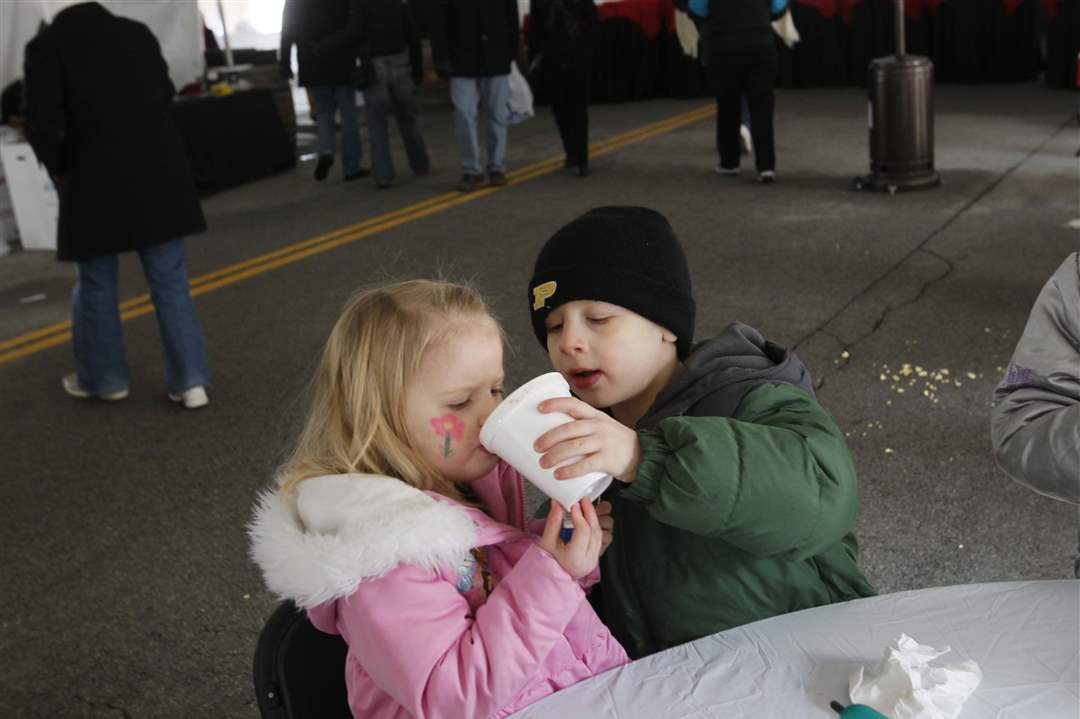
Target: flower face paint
x=448 y=427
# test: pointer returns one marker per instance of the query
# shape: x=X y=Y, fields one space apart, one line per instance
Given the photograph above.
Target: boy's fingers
x=580 y=447
x=575 y=470
x=565 y=431
x=567 y=405
x=603 y=507
x=607 y=524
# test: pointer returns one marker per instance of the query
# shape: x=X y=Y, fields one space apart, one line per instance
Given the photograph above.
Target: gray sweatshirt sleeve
x=1036 y=418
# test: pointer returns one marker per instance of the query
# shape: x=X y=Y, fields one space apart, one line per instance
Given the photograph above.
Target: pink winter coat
x=388 y=567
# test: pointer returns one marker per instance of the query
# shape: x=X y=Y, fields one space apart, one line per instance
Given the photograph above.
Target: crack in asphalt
x=920 y=248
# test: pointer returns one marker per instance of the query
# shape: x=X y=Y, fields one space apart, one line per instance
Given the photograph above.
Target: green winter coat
x=743 y=505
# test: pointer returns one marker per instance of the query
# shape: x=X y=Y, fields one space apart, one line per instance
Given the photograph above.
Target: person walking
x=473 y=43
x=389 y=38
x=326 y=67
x=559 y=41
x=125 y=185
x=742 y=62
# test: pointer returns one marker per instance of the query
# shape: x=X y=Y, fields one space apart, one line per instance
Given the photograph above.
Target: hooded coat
x=743 y=504
x=1036 y=421
x=389 y=568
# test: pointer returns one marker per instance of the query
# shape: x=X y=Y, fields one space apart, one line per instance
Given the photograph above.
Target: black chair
x=299 y=671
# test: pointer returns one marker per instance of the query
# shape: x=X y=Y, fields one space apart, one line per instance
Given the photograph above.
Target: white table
x=1025 y=637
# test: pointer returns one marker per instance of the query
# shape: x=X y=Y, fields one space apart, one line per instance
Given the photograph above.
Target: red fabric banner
x=913 y=9
x=651 y=15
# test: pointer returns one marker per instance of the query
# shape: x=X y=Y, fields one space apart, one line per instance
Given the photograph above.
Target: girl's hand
x=581 y=554
x=601 y=441
x=607 y=524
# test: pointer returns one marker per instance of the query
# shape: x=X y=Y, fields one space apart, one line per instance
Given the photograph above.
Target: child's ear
x=668 y=336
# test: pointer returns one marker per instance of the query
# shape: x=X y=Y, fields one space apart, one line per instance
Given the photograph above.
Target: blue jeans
x=97 y=337
x=341 y=98
x=393 y=90
x=468 y=94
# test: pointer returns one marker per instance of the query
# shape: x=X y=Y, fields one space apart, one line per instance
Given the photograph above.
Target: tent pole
x=225 y=33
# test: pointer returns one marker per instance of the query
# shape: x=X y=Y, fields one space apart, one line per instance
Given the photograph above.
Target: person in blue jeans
x=101 y=368
x=387 y=35
x=326 y=57
x=125 y=185
x=473 y=43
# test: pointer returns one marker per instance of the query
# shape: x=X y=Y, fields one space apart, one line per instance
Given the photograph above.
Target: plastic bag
x=785 y=28
x=520 y=104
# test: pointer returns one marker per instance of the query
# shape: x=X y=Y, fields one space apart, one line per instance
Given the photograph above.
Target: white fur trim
x=338 y=531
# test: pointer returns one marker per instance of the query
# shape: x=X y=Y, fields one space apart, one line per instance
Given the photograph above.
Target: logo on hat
x=542 y=293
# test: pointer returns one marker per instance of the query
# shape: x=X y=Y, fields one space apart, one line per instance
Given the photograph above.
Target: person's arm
x=439 y=31
x=350 y=38
x=412 y=39
x=44 y=95
x=536 y=29
x=775 y=479
x=416 y=637
x=514 y=28
x=288 y=13
x=1036 y=418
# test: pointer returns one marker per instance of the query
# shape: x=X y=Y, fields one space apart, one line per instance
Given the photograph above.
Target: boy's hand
x=581 y=554
x=603 y=444
x=607 y=524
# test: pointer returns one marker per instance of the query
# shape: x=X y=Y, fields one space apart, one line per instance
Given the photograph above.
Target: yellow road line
x=52 y=335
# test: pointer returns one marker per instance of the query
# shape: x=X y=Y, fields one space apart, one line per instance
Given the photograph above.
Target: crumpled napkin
x=905 y=686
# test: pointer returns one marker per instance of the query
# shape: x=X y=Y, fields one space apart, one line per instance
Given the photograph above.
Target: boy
x=736 y=493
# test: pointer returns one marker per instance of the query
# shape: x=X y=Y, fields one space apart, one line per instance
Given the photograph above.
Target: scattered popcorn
x=845 y=354
x=881 y=378
x=971 y=375
x=888 y=450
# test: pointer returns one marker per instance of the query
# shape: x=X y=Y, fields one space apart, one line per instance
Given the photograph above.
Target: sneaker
x=383 y=184
x=726 y=171
x=746 y=141
x=191 y=398
x=470 y=182
x=362 y=172
x=767 y=177
x=71 y=385
x=421 y=172
x=323 y=168
x=583 y=170
x=497 y=179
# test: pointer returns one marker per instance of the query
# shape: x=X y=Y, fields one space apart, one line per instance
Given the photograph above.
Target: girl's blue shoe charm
x=856 y=711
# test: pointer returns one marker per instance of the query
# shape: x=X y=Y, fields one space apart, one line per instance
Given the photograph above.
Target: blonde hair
x=356 y=421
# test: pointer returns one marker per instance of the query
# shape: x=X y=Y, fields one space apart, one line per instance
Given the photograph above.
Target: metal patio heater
x=901 y=116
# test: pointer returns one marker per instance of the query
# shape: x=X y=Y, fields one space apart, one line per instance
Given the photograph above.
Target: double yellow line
x=59 y=333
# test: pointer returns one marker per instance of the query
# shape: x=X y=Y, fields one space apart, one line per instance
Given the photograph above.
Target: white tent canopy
x=175 y=23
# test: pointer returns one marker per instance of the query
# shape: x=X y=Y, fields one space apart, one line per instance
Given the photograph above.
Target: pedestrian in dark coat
x=326 y=63
x=473 y=43
x=97 y=115
x=97 y=101
x=742 y=62
x=559 y=38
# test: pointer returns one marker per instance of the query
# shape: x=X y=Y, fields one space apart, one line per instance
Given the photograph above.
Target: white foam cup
x=516 y=424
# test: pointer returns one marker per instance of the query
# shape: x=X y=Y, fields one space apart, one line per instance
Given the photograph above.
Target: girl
x=394 y=528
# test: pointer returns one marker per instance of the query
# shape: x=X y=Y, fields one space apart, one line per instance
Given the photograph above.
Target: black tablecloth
x=1062 y=43
x=233 y=139
x=968 y=41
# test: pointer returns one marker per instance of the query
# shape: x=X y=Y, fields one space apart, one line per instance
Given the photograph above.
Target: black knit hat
x=628 y=256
